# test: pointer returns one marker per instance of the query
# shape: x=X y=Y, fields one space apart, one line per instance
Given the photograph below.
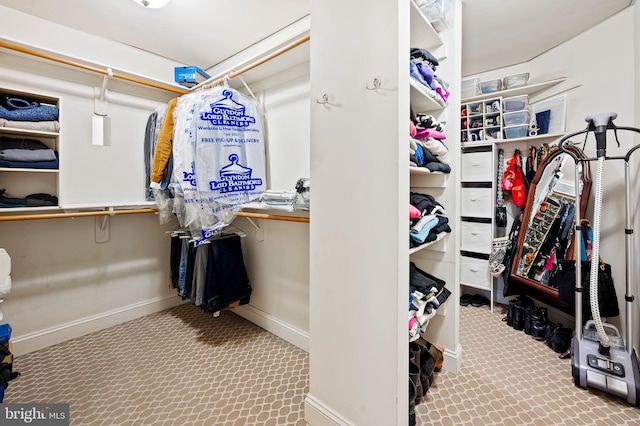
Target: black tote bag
x=564 y=280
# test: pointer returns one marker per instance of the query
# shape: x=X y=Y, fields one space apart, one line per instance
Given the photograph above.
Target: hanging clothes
x=212 y=275
x=219 y=164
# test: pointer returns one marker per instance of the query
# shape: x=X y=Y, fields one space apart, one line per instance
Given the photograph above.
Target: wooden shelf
x=27 y=132
x=441 y=236
x=528 y=89
x=17 y=169
x=423 y=99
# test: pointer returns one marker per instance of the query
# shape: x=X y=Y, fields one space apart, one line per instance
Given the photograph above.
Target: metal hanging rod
x=32 y=52
x=10 y=218
x=257 y=63
x=232 y=74
x=274 y=217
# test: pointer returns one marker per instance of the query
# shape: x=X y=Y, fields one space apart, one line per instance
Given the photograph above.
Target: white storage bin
x=513 y=132
x=437 y=12
x=469 y=88
x=475 y=272
x=515 y=103
x=476 y=237
x=516 y=80
x=476 y=202
x=515 y=118
x=476 y=167
x=490 y=86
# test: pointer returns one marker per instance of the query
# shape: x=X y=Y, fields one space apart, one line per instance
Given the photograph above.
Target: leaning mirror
x=546 y=233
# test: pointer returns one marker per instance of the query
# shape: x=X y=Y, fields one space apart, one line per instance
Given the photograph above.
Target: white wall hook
x=375 y=84
x=324 y=101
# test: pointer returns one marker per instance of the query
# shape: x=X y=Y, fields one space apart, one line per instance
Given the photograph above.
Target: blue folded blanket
x=32 y=164
x=17 y=109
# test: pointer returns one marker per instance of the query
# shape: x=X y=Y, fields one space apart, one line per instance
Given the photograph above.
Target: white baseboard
x=452 y=360
x=285 y=331
x=318 y=414
x=50 y=336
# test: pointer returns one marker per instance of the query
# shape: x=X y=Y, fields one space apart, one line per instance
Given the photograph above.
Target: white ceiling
x=496 y=33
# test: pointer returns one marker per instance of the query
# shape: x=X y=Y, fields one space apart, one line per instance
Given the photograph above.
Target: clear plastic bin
x=469 y=88
x=437 y=12
x=515 y=103
x=513 y=132
x=516 y=117
x=490 y=86
x=516 y=80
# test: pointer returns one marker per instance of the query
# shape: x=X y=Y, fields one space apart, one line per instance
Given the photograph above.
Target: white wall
x=600 y=67
x=278 y=266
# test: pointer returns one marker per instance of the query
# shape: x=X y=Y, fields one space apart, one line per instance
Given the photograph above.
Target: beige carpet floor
x=183 y=367
x=177 y=367
x=508 y=378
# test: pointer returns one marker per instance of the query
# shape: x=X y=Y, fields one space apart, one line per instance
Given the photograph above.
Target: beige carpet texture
x=184 y=367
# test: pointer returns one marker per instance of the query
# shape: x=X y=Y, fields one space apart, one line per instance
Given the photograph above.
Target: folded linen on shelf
x=21 y=143
x=39 y=126
x=22 y=110
x=32 y=164
x=27 y=154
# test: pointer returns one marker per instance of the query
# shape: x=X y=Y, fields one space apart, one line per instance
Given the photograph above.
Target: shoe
x=511 y=312
x=539 y=323
x=527 y=319
x=465 y=300
x=414 y=376
x=412 y=403
x=478 y=300
x=518 y=318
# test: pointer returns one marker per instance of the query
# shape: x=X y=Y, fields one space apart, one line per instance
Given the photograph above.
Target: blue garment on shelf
x=421 y=236
x=31 y=164
x=17 y=109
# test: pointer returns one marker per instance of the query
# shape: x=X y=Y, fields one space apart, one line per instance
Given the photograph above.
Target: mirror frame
x=531 y=287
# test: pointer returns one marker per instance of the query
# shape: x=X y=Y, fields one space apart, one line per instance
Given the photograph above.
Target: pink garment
x=414 y=213
x=430 y=133
x=412 y=129
x=444 y=94
x=412 y=321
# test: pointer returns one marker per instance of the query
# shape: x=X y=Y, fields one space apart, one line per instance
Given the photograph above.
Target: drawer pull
x=474 y=270
x=475 y=163
x=474 y=233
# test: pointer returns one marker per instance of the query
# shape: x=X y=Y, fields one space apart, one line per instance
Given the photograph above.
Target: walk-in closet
x=203 y=209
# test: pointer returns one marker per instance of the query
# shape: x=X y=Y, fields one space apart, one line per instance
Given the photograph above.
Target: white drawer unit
x=477 y=166
x=476 y=235
x=476 y=200
x=474 y=271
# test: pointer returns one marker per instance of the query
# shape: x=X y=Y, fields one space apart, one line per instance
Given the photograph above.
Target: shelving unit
x=529 y=89
x=479 y=180
x=424 y=100
x=20 y=181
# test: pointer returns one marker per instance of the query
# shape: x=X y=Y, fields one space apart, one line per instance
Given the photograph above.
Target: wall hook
x=376 y=84
x=324 y=101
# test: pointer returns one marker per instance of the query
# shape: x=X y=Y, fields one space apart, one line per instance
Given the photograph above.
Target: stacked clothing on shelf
x=26 y=154
x=426 y=219
x=279 y=200
x=289 y=200
x=211 y=275
x=426 y=146
x=422 y=68
x=426 y=294
x=20 y=113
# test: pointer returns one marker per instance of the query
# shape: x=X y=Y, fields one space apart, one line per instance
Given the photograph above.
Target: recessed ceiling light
x=152 y=4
